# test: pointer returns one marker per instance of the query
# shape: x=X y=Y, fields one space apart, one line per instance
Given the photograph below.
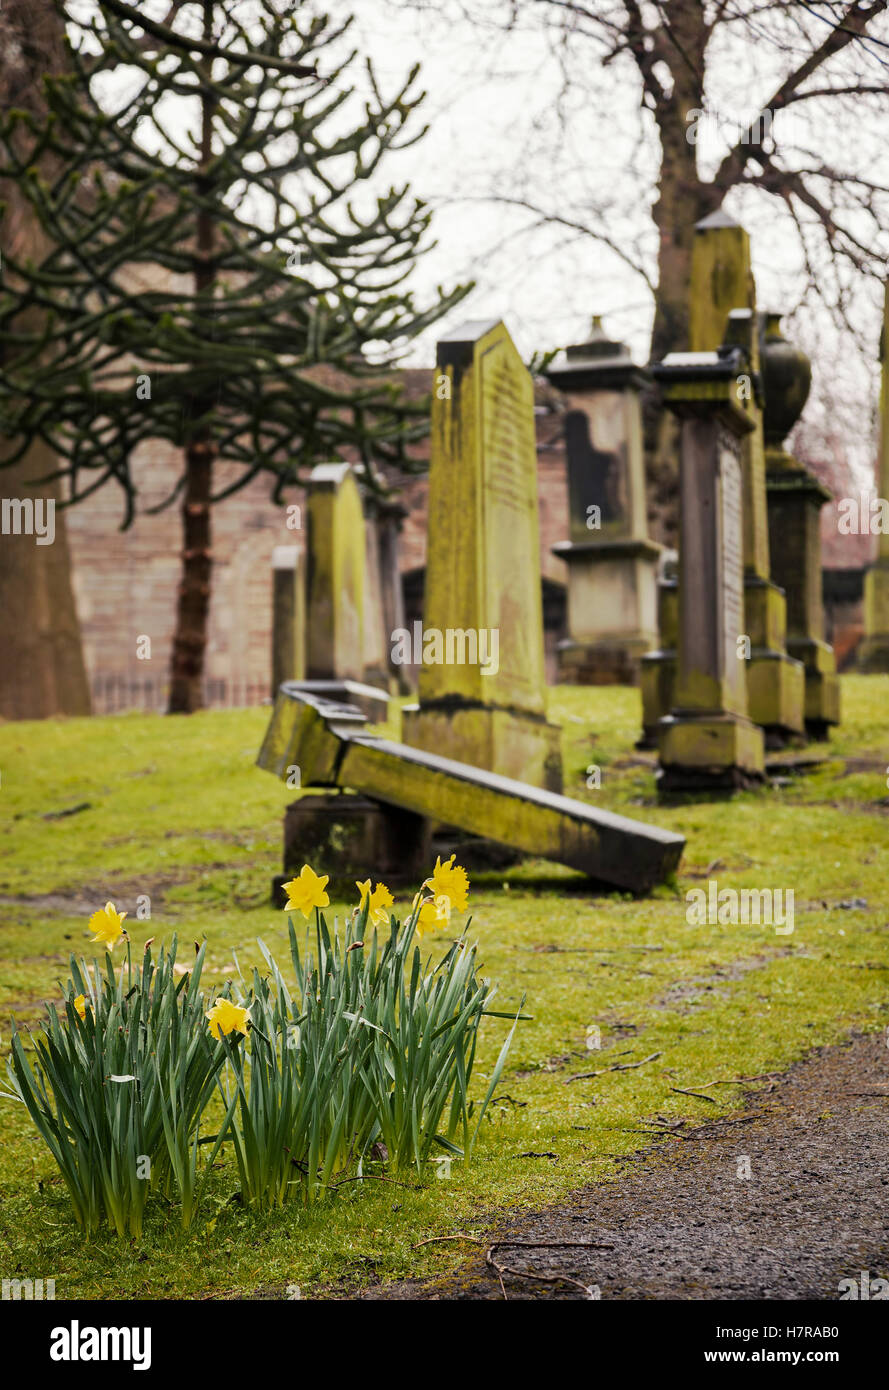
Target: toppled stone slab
x=330 y=746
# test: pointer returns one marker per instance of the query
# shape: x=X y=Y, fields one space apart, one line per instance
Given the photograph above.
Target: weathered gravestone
x=723 y=290
x=707 y=741
x=384 y=595
x=795 y=499
x=612 y=564
x=482 y=693
x=335 y=595
x=288 y=616
x=658 y=667
x=873 y=654
x=331 y=746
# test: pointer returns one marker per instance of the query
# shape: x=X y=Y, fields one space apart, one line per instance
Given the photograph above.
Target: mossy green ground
x=176 y=810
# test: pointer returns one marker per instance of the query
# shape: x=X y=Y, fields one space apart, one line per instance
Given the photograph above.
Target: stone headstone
x=795 y=498
x=288 y=616
x=335 y=601
x=481 y=686
x=335 y=561
x=873 y=654
x=612 y=617
x=707 y=741
x=384 y=597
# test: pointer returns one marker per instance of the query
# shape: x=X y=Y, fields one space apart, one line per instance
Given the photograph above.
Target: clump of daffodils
x=445 y=891
x=365 y=1046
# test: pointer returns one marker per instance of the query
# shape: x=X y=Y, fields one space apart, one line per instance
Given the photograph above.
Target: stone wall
x=125 y=582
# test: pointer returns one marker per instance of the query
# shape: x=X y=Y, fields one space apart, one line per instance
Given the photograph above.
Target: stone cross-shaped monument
x=482 y=693
x=612 y=602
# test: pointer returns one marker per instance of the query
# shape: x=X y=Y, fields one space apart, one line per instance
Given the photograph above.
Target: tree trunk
x=42 y=671
x=190 y=638
x=681 y=202
x=41 y=659
x=193 y=606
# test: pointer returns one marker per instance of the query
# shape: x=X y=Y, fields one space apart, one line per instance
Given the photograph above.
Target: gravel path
x=682 y=1224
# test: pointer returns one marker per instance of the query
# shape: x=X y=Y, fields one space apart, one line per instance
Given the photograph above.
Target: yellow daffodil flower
x=434 y=913
x=226 y=1017
x=107 y=923
x=80 y=1004
x=380 y=902
x=306 y=892
x=450 y=881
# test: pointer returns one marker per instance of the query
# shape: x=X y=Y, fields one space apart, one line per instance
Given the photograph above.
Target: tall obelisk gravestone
x=873 y=654
x=708 y=741
x=722 y=291
x=483 y=567
x=612 y=564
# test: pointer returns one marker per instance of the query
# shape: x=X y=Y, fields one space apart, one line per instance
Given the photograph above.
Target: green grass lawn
x=174 y=810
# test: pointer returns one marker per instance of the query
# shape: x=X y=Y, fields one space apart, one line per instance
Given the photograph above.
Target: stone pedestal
x=348 y=837
x=873 y=653
x=708 y=743
x=612 y=617
x=383 y=600
x=658 y=668
x=723 y=309
x=483 y=567
x=795 y=499
x=337 y=609
x=288 y=617
x=335 y=551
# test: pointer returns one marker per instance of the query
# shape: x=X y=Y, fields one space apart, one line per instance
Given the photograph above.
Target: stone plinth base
x=776 y=693
x=775 y=682
x=822 y=684
x=658 y=681
x=704 y=752
x=497 y=740
x=872 y=656
x=352 y=838
x=873 y=653
x=612 y=609
x=611 y=661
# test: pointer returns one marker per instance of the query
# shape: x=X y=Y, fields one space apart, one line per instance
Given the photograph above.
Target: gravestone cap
x=329 y=473
x=719 y=218
x=704 y=383
x=284 y=557
x=600 y=362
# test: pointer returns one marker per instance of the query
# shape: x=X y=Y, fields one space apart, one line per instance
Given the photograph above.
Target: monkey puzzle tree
x=210 y=245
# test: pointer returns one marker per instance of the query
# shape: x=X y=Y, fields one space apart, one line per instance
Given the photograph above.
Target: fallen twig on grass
x=618 y=1066
x=501 y=1269
x=737 y=1080
x=683 y=1092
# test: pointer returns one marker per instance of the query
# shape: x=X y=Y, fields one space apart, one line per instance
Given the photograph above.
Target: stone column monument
x=723 y=291
x=336 y=608
x=873 y=654
x=288 y=616
x=482 y=694
x=708 y=742
x=612 y=603
x=795 y=499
